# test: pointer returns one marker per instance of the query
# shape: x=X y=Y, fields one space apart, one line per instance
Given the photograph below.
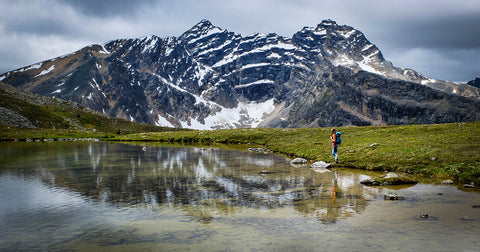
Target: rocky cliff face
x=211 y=78
x=475 y=83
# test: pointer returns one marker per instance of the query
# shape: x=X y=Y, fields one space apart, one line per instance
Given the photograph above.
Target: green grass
x=439 y=150
x=12 y=133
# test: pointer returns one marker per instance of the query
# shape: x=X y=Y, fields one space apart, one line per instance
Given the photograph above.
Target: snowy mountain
x=210 y=78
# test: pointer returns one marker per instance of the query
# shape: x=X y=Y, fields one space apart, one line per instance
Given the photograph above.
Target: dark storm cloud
x=40 y=25
x=104 y=8
x=443 y=32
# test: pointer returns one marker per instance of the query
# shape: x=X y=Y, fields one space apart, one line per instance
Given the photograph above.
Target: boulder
x=391 y=178
x=320 y=164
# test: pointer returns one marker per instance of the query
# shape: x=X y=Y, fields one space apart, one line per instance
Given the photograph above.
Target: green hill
x=26 y=115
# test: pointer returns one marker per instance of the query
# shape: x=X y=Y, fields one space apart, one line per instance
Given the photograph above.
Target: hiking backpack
x=339 y=137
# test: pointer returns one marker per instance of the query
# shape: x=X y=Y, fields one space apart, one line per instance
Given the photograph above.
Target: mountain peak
x=328 y=22
x=201 y=28
x=204 y=23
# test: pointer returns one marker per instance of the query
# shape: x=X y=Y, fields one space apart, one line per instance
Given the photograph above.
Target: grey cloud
x=40 y=25
x=443 y=32
x=102 y=8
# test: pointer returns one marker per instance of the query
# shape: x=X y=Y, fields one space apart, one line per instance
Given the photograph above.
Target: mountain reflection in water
x=205 y=183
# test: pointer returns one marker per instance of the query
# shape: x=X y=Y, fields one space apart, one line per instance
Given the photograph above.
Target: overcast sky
x=438 y=38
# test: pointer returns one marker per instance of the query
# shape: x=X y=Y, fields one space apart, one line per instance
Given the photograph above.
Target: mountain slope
x=25 y=110
x=211 y=78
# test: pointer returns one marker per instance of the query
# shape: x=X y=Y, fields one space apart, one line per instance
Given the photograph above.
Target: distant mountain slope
x=211 y=78
x=26 y=110
x=475 y=83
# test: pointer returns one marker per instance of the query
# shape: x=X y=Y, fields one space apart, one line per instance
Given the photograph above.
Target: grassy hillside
x=53 y=118
x=441 y=150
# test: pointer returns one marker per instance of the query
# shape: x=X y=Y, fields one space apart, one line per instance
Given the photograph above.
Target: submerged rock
x=393 y=196
x=447 y=182
x=391 y=178
x=426 y=216
x=299 y=161
x=261 y=150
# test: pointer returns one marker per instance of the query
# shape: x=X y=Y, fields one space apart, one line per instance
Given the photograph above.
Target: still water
x=122 y=197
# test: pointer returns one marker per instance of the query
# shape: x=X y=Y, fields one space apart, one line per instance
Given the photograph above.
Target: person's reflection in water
x=334 y=192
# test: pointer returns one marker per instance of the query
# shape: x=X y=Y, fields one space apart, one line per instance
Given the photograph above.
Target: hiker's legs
x=335 y=153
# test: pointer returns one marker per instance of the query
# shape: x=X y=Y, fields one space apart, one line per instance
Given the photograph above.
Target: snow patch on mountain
x=35 y=66
x=258 y=82
x=246 y=114
x=163 y=122
x=151 y=43
x=46 y=71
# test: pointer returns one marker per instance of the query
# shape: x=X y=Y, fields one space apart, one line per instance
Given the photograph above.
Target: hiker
x=333 y=138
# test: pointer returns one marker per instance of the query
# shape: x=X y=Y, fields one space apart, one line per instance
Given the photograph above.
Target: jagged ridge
x=211 y=78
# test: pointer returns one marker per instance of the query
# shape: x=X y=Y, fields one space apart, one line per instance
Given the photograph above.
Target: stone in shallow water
x=393 y=196
x=261 y=150
x=426 y=217
x=447 y=182
x=299 y=161
x=391 y=178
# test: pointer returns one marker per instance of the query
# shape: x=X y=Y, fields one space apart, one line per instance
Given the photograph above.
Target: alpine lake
x=102 y=196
